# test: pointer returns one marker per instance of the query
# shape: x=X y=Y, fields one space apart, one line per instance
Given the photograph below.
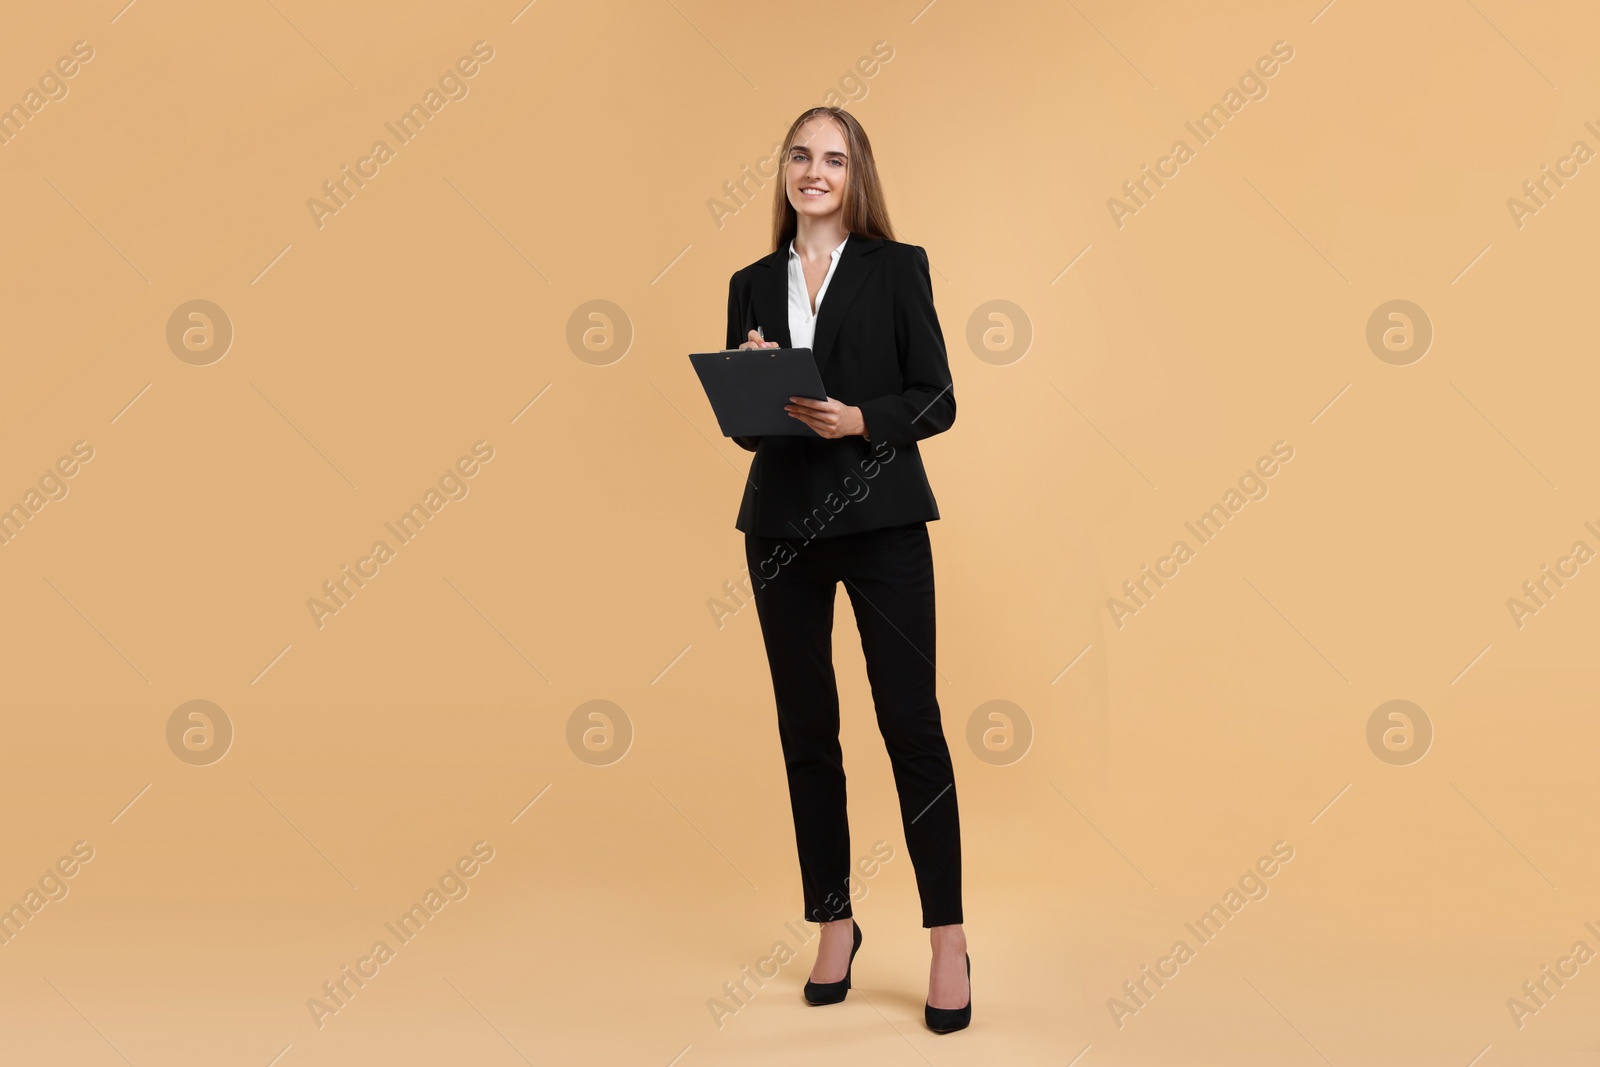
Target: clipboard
x=749 y=388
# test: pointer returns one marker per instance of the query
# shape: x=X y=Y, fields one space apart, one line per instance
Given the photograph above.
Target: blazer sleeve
x=926 y=405
x=736 y=320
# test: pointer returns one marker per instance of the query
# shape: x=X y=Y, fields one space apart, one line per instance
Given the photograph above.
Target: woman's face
x=818 y=170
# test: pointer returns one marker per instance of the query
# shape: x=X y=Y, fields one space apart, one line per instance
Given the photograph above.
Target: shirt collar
x=835 y=253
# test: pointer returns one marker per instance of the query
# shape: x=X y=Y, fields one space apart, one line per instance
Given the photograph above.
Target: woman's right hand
x=756 y=342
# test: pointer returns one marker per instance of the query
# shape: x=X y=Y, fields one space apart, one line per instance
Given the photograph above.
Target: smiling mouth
x=813 y=193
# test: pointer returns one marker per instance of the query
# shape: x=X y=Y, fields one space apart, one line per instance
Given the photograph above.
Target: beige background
x=1228 y=313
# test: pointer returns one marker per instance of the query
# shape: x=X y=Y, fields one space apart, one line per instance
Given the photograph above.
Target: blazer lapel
x=855 y=264
x=770 y=295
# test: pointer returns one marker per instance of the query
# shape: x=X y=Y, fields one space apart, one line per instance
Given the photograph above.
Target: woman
x=849 y=501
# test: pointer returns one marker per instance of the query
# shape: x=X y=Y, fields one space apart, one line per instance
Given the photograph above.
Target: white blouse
x=802 y=321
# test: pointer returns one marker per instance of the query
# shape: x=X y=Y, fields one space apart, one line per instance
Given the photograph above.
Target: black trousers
x=888 y=574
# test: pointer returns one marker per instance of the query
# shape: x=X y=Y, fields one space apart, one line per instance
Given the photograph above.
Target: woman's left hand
x=829 y=418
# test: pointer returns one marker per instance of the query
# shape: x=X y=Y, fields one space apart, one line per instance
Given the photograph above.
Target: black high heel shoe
x=833 y=992
x=945 y=1020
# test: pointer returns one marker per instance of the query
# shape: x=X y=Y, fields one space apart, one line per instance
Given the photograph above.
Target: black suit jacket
x=878 y=347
